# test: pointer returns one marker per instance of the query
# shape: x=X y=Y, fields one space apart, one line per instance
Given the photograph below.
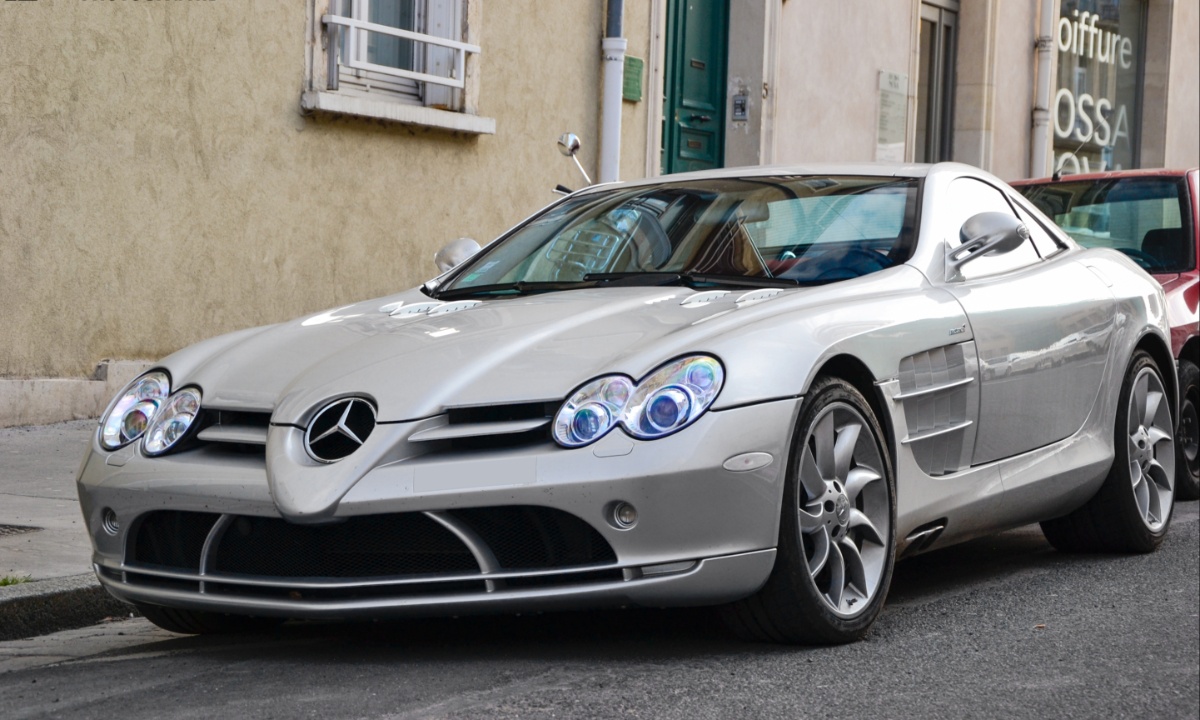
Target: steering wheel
x=1144 y=259
x=855 y=263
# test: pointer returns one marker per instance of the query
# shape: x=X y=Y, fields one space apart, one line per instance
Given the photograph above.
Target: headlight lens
x=592 y=411
x=673 y=396
x=172 y=423
x=134 y=409
x=669 y=399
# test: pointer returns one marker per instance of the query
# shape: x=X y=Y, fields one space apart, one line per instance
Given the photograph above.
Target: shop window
x=1097 y=118
x=935 y=80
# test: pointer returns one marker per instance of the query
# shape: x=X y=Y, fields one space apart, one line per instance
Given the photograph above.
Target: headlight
x=673 y=396
x=132 y=411
x=669 y=399
x=172 y=423
x=592 y=411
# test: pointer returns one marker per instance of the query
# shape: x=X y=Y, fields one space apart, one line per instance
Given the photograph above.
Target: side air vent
x=940 y=393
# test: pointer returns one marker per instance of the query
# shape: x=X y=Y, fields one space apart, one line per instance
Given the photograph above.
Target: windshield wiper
x=632 y=279
x=521 y=287
x=695 y=279
x=689 y=279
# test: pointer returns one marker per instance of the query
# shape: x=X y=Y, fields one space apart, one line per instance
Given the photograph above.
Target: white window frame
x=441 y=91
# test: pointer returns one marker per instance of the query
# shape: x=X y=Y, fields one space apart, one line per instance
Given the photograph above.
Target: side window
x=1042 y=240
x=968 y=197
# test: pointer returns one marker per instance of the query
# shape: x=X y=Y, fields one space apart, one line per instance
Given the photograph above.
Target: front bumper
x=704 y=534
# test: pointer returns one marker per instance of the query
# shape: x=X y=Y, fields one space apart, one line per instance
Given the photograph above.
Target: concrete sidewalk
x=42 y=535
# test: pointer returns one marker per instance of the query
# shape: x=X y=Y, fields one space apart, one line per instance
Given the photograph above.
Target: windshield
x=1141 y=217
x=763 y=231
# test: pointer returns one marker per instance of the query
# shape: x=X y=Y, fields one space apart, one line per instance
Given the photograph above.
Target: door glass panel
x=967 y=197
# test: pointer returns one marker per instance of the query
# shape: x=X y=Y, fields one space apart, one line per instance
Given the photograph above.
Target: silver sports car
x=752 y=388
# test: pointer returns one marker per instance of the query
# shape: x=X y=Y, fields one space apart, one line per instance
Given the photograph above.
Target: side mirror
x=568 y=144
x=988 y=233
x=455 y=253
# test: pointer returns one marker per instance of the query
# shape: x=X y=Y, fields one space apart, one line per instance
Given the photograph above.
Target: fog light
x=625 y=515
x=108 y=520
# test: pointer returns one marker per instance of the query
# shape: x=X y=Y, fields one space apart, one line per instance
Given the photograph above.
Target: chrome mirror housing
x=455 y=253
x=988 y=233
x=568 y=144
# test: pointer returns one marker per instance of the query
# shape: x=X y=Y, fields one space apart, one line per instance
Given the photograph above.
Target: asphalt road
x=1001 y=627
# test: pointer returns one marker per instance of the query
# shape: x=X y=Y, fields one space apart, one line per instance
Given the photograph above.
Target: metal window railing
x=359 y=29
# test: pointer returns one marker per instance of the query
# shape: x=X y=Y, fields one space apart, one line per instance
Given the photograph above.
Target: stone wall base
x=41 y=401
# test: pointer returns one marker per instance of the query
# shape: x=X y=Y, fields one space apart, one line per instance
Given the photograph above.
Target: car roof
x=1110 y=175
x=893 y=170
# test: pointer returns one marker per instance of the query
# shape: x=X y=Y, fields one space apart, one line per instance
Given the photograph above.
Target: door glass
x=968 y=197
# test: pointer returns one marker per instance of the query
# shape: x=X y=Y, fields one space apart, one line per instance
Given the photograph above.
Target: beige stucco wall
x=830 y=55
x=162 y=186
x=994 y=93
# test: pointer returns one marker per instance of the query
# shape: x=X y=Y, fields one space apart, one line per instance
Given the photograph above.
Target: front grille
x=529 y=537
x=171 y=538
x=490 y=427
x=500 y=413
x=393 y=555
x=367 y=546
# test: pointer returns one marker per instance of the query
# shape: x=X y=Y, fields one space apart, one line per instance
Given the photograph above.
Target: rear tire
x=837 y=529
x=1187 y=437
x=1132 y=510
x=200 y=622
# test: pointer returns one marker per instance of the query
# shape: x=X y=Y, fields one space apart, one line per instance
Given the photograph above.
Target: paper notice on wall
x=893 y=117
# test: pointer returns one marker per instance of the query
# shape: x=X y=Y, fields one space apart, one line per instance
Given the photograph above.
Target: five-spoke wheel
x=836 y=533
x=1132 y=509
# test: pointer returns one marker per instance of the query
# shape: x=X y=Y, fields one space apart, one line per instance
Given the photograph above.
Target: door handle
x=699 y=118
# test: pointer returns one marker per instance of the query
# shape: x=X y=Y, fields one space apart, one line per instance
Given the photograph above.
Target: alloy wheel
x=844 y=514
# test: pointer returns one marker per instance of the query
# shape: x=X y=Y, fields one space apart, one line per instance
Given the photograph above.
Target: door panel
x=1041 y=329
x=1042 y=335
x=694 y=102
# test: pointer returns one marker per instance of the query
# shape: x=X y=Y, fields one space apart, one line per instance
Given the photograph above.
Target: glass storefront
x=1097 y=106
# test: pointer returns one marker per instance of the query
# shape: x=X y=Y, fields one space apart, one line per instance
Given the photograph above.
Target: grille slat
x=530 y=537
x=171 y=539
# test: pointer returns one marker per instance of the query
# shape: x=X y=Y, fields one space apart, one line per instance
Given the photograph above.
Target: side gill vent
x=940 y=394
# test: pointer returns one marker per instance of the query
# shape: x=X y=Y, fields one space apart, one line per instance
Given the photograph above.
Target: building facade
x=175 y=169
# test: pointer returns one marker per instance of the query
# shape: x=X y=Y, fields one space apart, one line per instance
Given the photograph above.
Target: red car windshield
x=1145 y=218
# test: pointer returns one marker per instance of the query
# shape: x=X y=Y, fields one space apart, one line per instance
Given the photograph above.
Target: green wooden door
x=694 y=88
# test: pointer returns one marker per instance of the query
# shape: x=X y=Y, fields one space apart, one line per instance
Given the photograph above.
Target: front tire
x=1187 y=439
x=836 y=535
x=1132 y=510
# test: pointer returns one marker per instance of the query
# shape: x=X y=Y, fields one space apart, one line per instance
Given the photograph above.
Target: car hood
x=416 y=357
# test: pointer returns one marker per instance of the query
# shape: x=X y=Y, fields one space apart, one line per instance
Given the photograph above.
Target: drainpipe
x=613 y=47
x=1039 y=161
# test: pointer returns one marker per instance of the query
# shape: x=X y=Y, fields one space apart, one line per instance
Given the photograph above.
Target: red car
x=1151 y=216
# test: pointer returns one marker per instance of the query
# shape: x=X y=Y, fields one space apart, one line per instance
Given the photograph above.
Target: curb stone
x=46 y=606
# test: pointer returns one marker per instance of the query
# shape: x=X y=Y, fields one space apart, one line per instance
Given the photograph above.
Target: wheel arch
x=854 y=371
x=1160 y=351
x=1191 y=349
